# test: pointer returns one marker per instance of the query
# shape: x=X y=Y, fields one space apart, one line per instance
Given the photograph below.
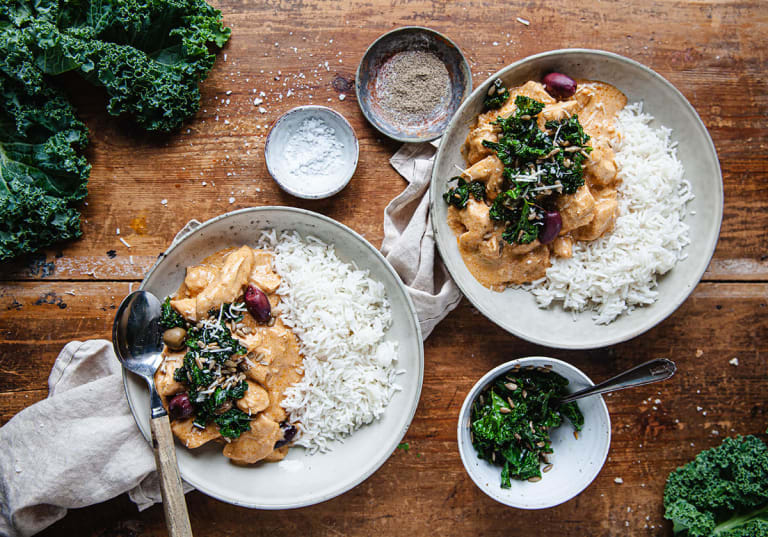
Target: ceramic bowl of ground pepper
x=410 y=83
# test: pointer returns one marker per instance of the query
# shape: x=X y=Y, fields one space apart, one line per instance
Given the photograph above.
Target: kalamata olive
x=174 y=338
x=258 y=304
x=180 y=407
x=553 y=223
x=559 y=85
x=289 y=431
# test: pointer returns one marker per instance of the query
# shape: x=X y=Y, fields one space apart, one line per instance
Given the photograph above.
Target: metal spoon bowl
x=137 y=339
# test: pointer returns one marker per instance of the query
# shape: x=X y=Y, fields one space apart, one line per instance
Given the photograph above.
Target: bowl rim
x=466 y=451
x=637 y=329
x=345 y=179
x=466 y=94
x=395 y=439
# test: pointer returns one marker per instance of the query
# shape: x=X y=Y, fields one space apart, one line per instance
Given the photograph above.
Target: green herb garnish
x=497 y=95
x=459 y=195
x=512 y=419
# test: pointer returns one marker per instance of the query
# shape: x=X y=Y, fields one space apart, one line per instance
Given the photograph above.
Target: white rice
x=341 y=317
x=618 y=271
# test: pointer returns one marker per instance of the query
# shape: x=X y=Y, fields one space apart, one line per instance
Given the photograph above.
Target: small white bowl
x=279 y=163
x=576 y=462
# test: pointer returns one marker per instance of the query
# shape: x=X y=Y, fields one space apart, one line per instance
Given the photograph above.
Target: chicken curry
x=541 y=176
x=223 y=379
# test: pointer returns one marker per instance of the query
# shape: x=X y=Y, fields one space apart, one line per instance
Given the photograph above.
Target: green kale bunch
x=149 y=57
x=723 y=492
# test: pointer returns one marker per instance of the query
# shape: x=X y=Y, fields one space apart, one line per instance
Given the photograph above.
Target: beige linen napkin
x=78 y=447
x=81 y=446
x=409 y=244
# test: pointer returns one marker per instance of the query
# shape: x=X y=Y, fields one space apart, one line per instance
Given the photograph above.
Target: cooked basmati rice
x=618 y=271
x=341 y=316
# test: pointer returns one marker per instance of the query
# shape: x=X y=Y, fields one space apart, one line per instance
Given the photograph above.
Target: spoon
x=647 y=373
x=136 y=337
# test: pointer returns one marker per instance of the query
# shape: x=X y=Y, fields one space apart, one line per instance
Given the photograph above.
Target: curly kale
x=148 y=55
x=42 y=177
x=497 y=95
x=723 y=492
x=459 y=195
x=512 y=419
x=169 y=317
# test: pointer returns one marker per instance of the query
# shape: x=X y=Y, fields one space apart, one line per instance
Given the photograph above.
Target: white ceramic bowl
x=280 y=162
x=515 y=310
x=301 y=479
x=576 y=463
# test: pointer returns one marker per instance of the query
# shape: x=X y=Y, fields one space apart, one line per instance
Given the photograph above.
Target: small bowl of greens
x=522 y=448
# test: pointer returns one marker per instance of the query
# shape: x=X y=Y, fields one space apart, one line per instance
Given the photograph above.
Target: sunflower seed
x=534 y=479
x=511 y=386
x=518 y=437
x=547 y=468
x=576 y=434
x=511 y=404
x=504 y=410
x=540 y=444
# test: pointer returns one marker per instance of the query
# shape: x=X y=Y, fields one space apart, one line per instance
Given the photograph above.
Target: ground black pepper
x=413 y=84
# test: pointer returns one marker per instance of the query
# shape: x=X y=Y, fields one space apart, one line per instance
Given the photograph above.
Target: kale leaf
x=42 y=177
x=148 y=55
x=510 y=422
x=169 y=317
x=497 y=95
x=459 y=195
x=233 y=423
x=723 y=491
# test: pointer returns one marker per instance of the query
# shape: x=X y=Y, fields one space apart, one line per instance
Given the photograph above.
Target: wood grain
x=712 y=50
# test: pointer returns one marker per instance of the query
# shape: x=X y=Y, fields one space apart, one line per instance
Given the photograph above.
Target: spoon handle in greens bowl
x=647 y=373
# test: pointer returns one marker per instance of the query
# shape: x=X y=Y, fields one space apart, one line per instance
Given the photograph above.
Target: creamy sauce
x=587 y=214
x=273 y=361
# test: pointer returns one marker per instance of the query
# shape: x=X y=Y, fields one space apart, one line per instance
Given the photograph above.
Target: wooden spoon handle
x=174 y=505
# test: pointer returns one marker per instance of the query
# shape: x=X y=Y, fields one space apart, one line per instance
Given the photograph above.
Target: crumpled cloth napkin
x=81 y=446
x=409 y=243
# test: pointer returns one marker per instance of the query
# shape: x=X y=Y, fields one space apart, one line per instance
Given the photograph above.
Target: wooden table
x=712 y=50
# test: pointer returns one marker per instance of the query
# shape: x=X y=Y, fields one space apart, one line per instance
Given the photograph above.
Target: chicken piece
x=192 y=436
x=556 y=112
x=563 y=247
x=262 y=275
x=166 y=385
x=473 y=149
x=258 y=373
x=479 y=225
x=228 y=283
x=255 y=399
x=605 y=212
x=256 y=443
x=489 y=171
x=198 y=278
x=534 y=90
x=576 y=209
x=277 y=455
x=187 y=308
x=600 y=169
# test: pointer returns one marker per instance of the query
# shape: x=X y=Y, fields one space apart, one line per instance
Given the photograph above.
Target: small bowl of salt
x=311 y=152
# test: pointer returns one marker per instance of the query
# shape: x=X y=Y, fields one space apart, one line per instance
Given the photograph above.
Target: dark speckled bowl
x=404 y=39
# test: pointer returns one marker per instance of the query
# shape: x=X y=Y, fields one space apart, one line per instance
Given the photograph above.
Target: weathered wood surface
x=713 y=51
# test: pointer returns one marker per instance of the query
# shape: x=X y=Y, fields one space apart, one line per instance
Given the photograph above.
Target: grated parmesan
x=341 y=316
x=617 y=272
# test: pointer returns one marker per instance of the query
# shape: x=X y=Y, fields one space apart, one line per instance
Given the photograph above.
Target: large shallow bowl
x=515 y=310
x=301 y=479
x=575 y=461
